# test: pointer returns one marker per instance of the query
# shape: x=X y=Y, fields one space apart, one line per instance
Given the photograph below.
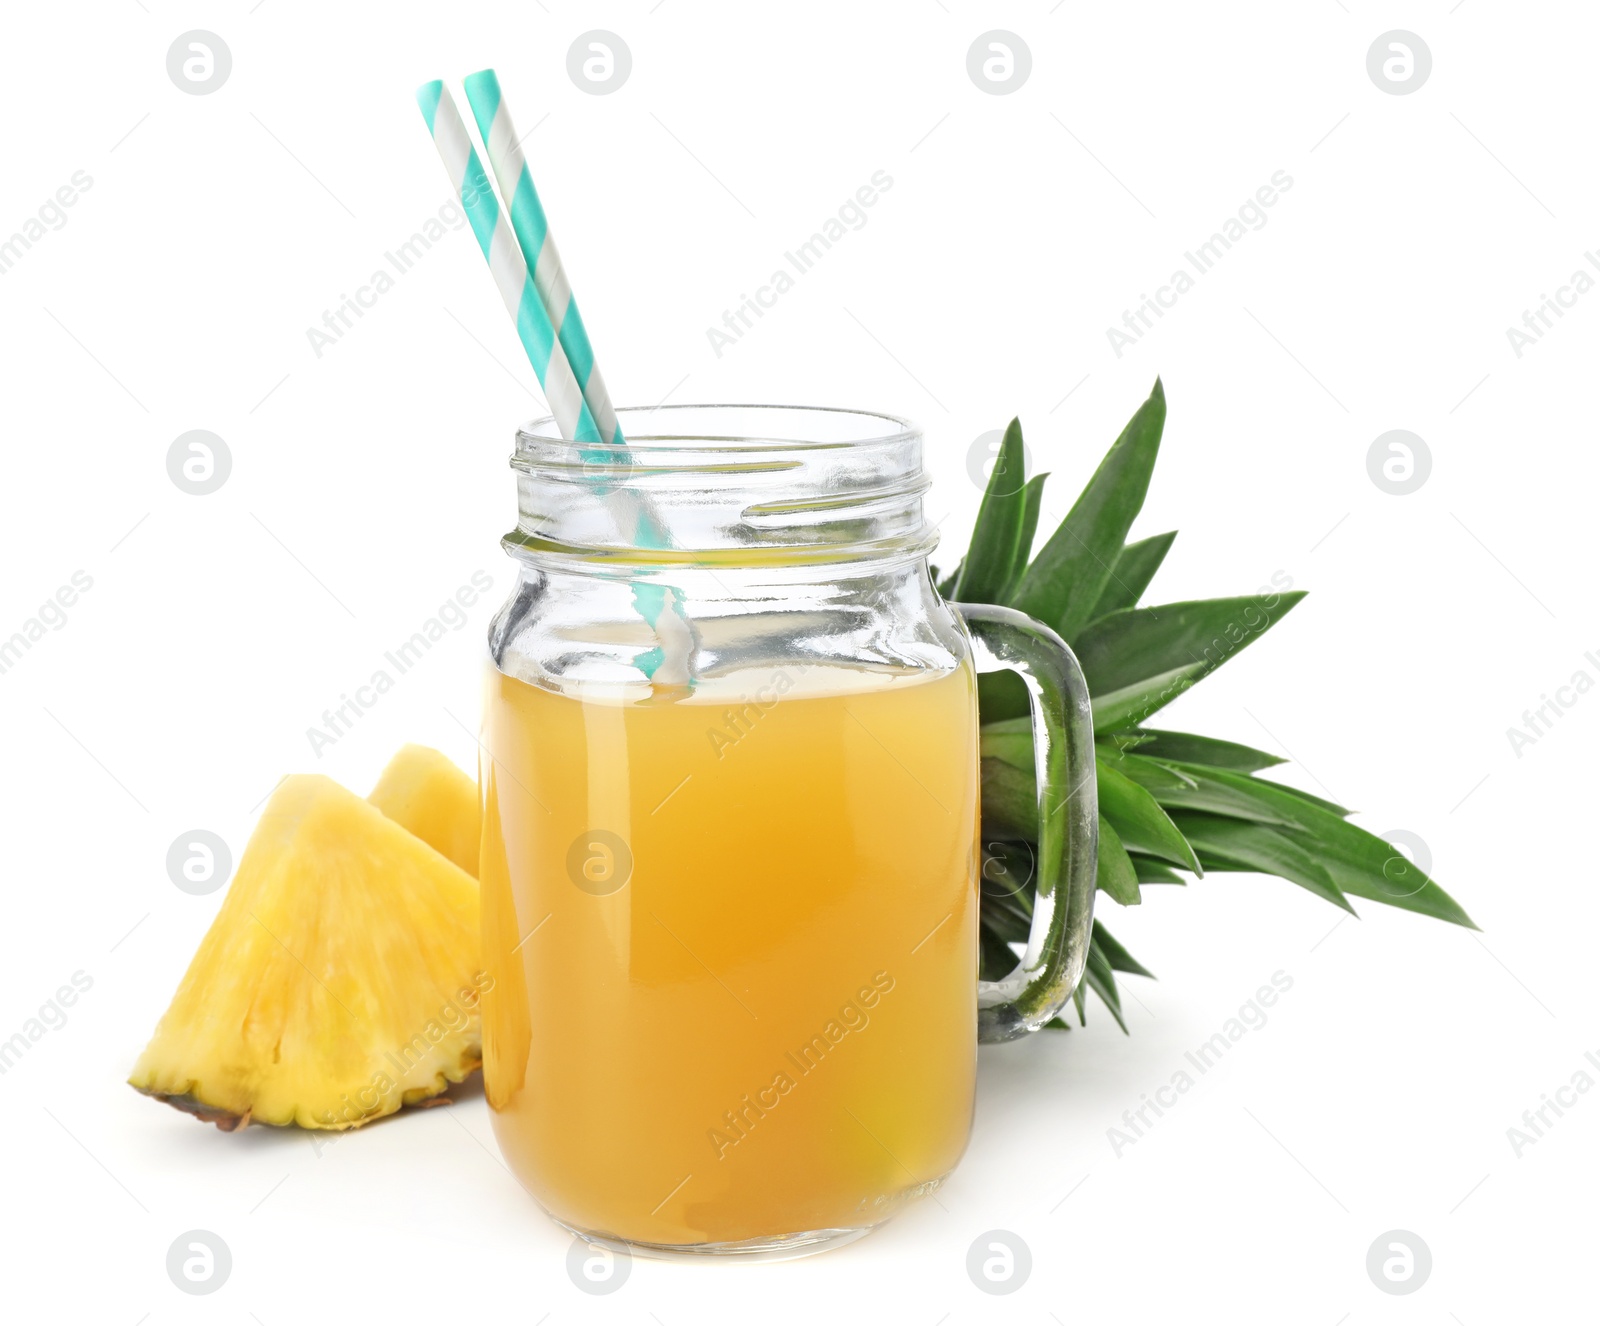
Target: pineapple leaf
x=1006 y=923
x=1133 y=703
x=1001 y=695
x=1203 y=750
x=1002 y=700
x=1200 y=788
x=1332 y=807
x=1250 y=846
x=1033 y=497
x=1151 y=871
x=1360 y=863
x=1010 y=801
x=1186 y=799
x=1132 y=646
x=1149 y=774
x=1097 y=974
x=1066 y=579
x=1119 y=957
x=1132 y=572
x=1011 y=741
x=990 y=563
x=1114 y=873
x=996 y=961
x=1139 y=821
x=1008 y=873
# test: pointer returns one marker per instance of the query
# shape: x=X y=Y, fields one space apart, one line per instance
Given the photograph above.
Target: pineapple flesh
x=426 y=794
x=340 y=979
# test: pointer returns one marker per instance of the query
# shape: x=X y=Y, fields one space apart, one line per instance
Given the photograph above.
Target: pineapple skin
x=339 y=981
x=424 y=792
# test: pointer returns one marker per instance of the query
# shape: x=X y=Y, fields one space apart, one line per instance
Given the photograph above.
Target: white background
x=369 y=483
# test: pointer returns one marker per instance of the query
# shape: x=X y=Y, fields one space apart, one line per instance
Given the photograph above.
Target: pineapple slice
x=424 y=793
x=339 y=980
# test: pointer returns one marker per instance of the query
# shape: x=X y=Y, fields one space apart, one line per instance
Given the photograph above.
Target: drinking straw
x=661 y=607
x=538 y=244
x=506 y=264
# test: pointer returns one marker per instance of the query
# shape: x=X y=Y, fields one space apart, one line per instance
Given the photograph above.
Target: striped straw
x=510 y=271
x=538 y=245
x=661 y=607
x=550 y=280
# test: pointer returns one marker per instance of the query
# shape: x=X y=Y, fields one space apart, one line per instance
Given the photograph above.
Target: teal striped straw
x=532 y=229
x=510 y=271
x=659 y=605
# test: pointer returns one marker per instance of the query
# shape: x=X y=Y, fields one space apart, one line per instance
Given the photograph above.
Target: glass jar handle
x=1063 y=752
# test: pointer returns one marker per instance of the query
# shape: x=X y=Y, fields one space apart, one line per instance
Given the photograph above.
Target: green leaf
x=1130 y=647
x=1153 y=872
x=995 y=960
x=1135 y=702
x=992 y=557
x=1147 y=773
x=1126 y=783
x=1032 y=498
x=1132 y=572
x=1010 y=740
x=1004 y=923
x=1332 y=807
x=1119 y=957
x=1066 y=579
x=1114 y=872
x=1010 y=801
x=1140 y=822
x=1201 y=788
x=1097 y=974
x=1260 y=847
x=1006 y=877
x=1001 y=696
x=1203 y=750
x=1360 y=863
x=1186 y=799
x=948 y=583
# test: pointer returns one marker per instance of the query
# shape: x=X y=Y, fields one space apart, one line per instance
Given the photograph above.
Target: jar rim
x=693 y=485
x=543 y=433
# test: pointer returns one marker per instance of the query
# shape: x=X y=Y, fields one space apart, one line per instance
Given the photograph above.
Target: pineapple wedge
x=340 y=979
x=426 y=794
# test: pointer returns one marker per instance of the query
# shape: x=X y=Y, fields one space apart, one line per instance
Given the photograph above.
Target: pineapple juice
x=734 y=943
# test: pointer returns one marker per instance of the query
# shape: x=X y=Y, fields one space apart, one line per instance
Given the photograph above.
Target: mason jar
x=731 y=832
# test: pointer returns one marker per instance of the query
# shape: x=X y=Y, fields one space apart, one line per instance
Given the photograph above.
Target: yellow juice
x=734 y=943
